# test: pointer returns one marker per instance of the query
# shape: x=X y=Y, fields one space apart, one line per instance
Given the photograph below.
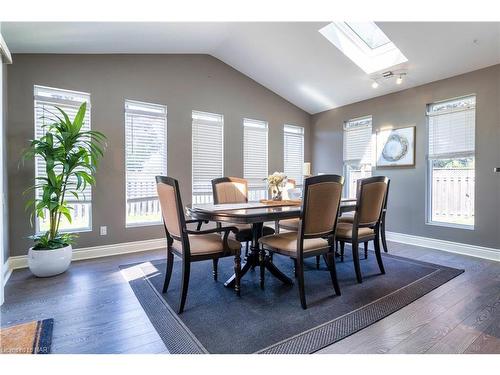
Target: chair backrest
x=371 y=199
x=230 y=190
x=320 y=205
x=171 y=208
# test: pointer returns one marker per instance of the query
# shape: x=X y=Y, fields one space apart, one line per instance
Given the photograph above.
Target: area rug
x=27 y=338
x=215 y=320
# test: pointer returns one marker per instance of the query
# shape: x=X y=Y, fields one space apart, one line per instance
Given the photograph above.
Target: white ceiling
x=290 y=58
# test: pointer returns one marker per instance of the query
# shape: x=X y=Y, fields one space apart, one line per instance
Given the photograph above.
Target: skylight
x=365 y=44
x=369 y=33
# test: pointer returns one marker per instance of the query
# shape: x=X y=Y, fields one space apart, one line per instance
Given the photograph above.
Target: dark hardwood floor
x=95 y=310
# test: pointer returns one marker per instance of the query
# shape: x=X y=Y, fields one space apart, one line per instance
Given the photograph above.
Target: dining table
x=256 y=214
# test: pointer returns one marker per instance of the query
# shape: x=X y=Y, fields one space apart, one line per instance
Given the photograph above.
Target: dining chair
x=349 y=218
x=189 y=245
x=316 y=231
x=371 y=197
x=235 y=190
x=293 y=224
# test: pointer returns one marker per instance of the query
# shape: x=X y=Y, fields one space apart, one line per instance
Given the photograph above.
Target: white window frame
x=430 y=159
x=364 y=167
x=41 y=94
x=155 y=111
x=206 y=197
x=257 y=186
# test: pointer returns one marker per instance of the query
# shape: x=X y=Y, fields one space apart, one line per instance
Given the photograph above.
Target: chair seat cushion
x=344 y=230
x=204 y=244
x=245 y=232
x=346 y=218
x=290 y=224
x=286 y=243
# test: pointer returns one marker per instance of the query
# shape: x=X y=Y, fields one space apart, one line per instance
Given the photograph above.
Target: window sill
x=450 y=225
x=78 y=230
x=140 y=225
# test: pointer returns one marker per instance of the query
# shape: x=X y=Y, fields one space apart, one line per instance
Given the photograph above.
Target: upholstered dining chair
x=189 y=245
x=292 y=224
x=316 y=231
x=235 y=190
x=349 y=218
x=365 y=227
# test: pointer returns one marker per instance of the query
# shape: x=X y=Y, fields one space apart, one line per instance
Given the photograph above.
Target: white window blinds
x=255 y=135
x=358 y=145
x=207 y=154
x=452 y=128
x=294 y=152
x=145 y=158
x=46 y=99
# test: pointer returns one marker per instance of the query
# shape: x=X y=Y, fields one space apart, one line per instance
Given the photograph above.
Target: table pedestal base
x=259 y=258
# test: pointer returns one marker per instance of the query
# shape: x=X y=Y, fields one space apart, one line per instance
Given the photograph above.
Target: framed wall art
x=396 y=147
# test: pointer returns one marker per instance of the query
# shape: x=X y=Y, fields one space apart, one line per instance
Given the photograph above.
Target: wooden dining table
x=256 y=214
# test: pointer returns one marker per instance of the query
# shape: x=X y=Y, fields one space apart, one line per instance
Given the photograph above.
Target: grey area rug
x=271 y=321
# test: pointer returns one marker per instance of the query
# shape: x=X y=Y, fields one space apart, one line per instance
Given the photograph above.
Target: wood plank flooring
x=95 y=310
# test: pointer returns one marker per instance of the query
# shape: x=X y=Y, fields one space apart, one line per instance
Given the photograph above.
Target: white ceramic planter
x=45 y=263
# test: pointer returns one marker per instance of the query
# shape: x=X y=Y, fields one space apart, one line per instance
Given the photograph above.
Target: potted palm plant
x=71 y=156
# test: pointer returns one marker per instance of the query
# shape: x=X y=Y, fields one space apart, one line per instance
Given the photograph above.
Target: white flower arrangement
x=276 y=181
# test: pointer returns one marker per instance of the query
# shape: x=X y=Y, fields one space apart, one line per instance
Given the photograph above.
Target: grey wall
x=408 y=185
x=182 y=82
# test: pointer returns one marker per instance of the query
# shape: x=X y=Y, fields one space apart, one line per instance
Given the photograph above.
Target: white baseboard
x=17 y=262
x=449 y=246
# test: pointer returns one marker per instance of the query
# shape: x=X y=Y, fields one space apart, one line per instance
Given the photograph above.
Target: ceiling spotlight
x=375 y=84
x=399 y=80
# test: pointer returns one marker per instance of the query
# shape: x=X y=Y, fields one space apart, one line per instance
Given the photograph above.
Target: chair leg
x=168 y=272
x=382 y=235
x=237 y=273
x=262 y=259
x=333 y=272
x=342 y=246
x=186 y=267
x=300 y=276
x=366 y=249
x=379 y=255
x=317 y=262
x=355 y=257
x=246 y=249
x=216 y=264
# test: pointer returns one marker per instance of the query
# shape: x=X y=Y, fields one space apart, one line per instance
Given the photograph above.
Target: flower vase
x=277 y=194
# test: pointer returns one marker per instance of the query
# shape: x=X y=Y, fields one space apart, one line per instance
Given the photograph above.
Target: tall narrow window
x=145 y=158
x=208 y=154
x=358 y=150
x=255 y=157
x=294 y=152
x=451 y=162
x=46 y=99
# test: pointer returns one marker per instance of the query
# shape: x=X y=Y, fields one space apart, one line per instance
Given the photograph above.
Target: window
x=358 y=150
x=46 y=99
x=255 y=158
x=365 y=44
x=208 y=154
x=294 y=152
x=145 y=158
x=451 y=162
x=369 y=33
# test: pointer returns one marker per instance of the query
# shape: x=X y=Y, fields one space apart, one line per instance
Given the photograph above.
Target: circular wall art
x=395 y=148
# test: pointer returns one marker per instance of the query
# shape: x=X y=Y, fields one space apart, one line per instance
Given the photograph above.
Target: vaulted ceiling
x=290 y=58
